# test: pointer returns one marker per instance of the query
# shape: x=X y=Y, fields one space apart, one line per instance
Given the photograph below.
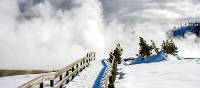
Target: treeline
x=146 y=49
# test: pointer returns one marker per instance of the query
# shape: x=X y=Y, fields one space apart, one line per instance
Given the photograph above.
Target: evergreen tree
x=117 y=53
x=111 y=57
x=153 y=45
x=145 y=49
x=169 y=47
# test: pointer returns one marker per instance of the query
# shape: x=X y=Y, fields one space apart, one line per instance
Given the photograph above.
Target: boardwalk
x=88 y=77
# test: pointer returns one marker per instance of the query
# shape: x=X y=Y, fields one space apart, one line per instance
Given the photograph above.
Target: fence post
x=41 y=85
x=72 y=71
x=84 y=63
x=87 y=61
x=87 y=54
x=60 y=78
x=81 y=65
x=67 y=73
x=51 y=83
x=90 y=57
x=77 y=68
x=94 y=56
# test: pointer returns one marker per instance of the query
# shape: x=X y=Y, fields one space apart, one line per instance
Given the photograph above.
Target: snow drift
x=161 y=56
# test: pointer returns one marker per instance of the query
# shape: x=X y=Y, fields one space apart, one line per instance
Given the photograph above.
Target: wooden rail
x=64 y=74
x=111 y=74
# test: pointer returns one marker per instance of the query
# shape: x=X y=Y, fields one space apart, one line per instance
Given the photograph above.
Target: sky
x=50 y=34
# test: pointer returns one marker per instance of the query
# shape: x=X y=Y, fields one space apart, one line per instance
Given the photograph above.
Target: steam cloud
x=49 y=34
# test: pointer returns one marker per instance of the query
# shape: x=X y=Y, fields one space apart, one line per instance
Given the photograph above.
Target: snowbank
x=161 y=56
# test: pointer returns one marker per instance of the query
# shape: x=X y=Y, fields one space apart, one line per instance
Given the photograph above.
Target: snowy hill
x=165 y=74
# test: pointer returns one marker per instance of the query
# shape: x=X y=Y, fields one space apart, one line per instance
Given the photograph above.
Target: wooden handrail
x=82 y=63
x=66 y=78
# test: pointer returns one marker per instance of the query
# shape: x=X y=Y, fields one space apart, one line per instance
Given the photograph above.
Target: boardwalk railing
x=111 y=74
x=63 y=75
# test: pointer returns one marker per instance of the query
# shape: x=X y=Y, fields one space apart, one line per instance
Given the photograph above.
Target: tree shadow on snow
x=121 y=75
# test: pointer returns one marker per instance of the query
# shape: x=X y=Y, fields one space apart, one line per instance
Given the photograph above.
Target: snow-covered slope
x=165 y=74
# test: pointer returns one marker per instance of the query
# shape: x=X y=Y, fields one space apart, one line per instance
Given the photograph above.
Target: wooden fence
x=63 y=75
x=111 y=74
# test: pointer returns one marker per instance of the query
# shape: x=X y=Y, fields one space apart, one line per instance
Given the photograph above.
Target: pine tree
x=145 y=49
x=117 y=53
x=169 y=47
x=153 y=45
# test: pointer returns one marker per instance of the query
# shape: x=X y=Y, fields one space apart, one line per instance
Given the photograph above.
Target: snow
x=161 y=56
x=170 y=73
x=15 y=81
x=154 y=58
x=166 y=71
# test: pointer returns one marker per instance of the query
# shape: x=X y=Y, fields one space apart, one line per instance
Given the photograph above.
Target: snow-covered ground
x=169 y=73
x=15 y=81
x=164 y=74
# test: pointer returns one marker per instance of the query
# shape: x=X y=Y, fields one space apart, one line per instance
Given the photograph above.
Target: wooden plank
x=41 y=85
x=60 y=80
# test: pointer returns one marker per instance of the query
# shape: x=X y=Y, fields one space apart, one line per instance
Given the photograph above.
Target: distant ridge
x=181 y=31
x=4 y=73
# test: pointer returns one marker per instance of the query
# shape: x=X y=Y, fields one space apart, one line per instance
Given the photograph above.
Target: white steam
x=49 y=34
x=151 y=19
x=44 y=37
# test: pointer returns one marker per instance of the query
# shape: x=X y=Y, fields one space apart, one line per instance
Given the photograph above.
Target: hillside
x=165 y=74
